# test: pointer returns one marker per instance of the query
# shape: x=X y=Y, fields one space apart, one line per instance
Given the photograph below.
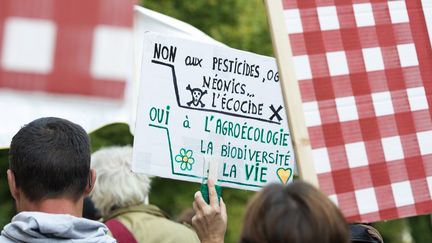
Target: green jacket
x=149 y=224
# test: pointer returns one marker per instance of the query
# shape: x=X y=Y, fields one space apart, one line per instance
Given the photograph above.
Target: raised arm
x=210 y=221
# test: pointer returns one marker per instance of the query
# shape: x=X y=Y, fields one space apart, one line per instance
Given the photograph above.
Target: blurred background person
x=120 y=196
x=296 y=213
x=186 y=216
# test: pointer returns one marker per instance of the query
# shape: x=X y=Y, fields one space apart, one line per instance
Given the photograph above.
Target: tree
x=240 y=24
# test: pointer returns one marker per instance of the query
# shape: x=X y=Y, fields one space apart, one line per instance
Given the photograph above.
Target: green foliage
x=240 y=24
x=414 y=229
x=116 y=134
x=393 y=231
x=421 y=228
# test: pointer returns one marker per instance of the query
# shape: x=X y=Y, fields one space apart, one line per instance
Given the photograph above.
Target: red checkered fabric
x=68 y=47
x=365 y=74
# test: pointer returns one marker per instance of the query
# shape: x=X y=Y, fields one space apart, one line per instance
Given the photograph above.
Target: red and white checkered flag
x=74 y=59
x=64 y=58
x=69 y=47
x=365 y=74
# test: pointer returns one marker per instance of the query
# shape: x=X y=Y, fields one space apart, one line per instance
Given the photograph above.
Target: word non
x=167 y=53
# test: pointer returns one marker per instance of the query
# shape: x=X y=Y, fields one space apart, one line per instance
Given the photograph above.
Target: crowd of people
x=52 y=175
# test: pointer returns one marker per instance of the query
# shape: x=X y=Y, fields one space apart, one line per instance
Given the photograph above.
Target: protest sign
x=200 y=101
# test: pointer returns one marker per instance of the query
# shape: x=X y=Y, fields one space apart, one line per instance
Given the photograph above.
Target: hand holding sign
x=210 y=172
x=210 y=221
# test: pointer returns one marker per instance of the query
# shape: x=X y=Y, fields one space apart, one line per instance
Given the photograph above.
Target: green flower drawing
x=185 y=158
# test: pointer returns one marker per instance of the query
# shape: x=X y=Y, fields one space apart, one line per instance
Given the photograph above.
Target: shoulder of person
x=5 y=240
x=155 y=223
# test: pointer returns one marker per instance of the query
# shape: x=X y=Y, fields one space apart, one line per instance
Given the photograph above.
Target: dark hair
x=364 y=233
x=89 y=210
x=297 y=213
x=50 y=157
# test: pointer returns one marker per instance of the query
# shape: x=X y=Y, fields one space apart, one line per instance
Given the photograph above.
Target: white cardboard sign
x=199 y=101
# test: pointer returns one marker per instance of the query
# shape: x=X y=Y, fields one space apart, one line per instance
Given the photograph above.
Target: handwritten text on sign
x=200 y=100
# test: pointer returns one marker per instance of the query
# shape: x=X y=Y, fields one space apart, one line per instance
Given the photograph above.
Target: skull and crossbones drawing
x=197 y=94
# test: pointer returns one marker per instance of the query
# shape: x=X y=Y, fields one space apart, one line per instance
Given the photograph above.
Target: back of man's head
x=50 y=158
